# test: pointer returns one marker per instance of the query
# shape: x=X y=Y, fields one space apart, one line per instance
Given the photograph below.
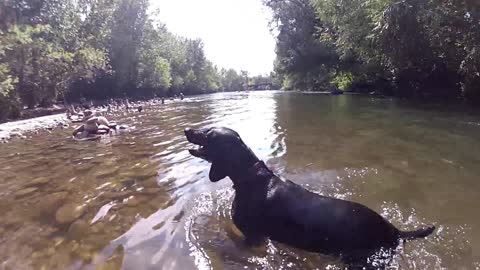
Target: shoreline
x=56 y=117
x=16 y=129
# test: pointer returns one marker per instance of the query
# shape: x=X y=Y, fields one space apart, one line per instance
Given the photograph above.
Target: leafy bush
x=343 y=81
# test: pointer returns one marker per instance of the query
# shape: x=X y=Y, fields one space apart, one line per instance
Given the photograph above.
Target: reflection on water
x=140 y=201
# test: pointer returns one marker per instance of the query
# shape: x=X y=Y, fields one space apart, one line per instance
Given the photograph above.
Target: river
x=139 y=201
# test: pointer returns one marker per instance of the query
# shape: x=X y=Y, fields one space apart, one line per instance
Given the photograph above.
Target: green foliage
x=10 y=107
x=155 y=73
x=65 y=50
x=343 y=81
x=232 y=81
x=412 y=48
x=42 y=69
x=306 y=55
x=7 y=81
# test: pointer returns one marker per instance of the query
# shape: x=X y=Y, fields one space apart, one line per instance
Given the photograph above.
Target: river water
x=138 y=200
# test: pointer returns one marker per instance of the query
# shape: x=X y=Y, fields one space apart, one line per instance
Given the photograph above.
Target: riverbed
x=138 y=200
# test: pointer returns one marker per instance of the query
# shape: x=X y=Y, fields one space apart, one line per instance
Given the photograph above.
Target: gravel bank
x=19 y=128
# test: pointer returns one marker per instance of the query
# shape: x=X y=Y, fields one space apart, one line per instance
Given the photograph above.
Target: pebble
x=68 y=213
x=150 y=183
x=58 y=241
x=117 y=195
x=151 y=191
x=114 y=262
x=38 y=182
x=135 y=201
x=106 y=172
x=78 y=229
x=50 y=251
x=25 y=192
x=16 y=134
x=48 y=204
x=84 y=254
x=127 y=182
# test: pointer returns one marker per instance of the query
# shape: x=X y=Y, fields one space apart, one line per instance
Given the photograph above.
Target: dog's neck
x=253 y=175
x=258 y=168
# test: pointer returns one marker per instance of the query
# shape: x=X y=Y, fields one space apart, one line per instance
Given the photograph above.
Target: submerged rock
x=105 y=171
x=151 y=191
x=16 y=134
x=78 y=229
x=136 y=200
x=38 y=182
x=114 y=262
x=50 y=202
x=117 y=195
x=25 y=192
x=69 y=212
x=84 y=253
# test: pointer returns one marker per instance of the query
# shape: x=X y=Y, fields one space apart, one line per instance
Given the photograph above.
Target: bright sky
x=235 y=32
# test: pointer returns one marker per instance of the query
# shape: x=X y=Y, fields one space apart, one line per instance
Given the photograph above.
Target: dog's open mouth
x=198 y=138
x=198 y=152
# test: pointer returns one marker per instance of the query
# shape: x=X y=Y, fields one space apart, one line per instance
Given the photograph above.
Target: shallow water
x=138 y=200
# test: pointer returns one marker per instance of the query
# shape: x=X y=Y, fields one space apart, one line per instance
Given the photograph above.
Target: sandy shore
x=18 y=128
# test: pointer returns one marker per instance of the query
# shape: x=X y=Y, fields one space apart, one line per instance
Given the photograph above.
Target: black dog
x=267 y=206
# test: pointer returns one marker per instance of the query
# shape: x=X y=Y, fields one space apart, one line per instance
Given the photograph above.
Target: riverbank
x=53 y=117
x=19 y=129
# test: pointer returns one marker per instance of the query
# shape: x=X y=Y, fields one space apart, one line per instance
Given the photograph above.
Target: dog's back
x=298 y=217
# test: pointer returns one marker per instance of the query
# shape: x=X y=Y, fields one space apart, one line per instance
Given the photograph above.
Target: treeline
x=66 y=50
x=407 y=48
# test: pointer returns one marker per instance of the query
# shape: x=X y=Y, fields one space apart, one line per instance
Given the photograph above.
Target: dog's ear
x=217 y=172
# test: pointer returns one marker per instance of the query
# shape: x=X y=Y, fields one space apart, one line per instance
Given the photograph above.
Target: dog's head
x=224 y=148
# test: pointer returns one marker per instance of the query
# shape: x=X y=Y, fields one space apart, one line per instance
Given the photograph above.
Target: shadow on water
x=139 y=201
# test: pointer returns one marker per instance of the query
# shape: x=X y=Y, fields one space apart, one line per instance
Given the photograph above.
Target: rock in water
x=38 y=182
x=16 y=134
x=68 y=213
x=48 y=204
x=25 y=192
x=77 y=230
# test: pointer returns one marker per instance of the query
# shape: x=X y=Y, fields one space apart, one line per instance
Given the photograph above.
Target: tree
x=65 y=50
x=231 y=80
x=409 y=48
x=305 y=51
x=130 y=19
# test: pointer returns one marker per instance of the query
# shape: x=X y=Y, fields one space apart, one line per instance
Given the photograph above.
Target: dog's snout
x=195 y=136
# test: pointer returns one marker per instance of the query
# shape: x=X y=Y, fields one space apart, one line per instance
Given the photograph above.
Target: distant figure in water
x=181 y=96
x=335 y=91
x=127 y=105
x=74 y=115
x=92 y=126
x=163 y=100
